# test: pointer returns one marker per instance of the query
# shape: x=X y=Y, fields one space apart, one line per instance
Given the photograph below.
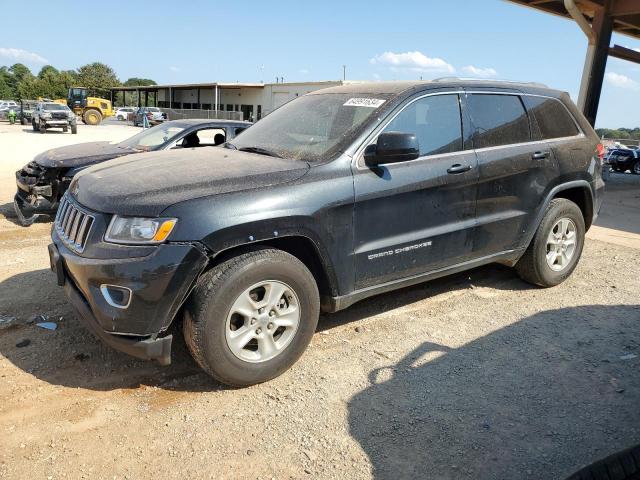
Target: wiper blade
x=259 y=151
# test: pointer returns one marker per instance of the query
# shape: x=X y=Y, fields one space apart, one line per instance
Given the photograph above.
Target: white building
x=253 y=100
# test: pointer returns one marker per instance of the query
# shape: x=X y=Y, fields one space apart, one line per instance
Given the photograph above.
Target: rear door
x=515 y=169
x=417 y=216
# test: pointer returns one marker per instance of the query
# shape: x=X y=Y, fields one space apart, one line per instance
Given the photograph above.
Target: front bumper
x=30 y=206
x=57 y=123
x=159 y=284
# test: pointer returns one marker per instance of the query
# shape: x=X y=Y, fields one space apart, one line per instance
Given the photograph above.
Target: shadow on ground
x=534 y=400
x=73 y=357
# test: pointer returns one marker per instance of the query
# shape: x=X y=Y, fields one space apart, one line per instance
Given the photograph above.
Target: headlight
x=45 y=115
x=139 y=230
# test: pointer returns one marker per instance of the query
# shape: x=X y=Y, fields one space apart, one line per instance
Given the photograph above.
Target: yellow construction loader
x=90 y=109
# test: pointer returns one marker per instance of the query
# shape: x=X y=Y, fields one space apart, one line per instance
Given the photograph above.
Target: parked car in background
x=338 y=195
x=7 y=106
x=42 y=182
x=53 y=115
x=623 y=159
x=154 y=116
x=4 y=104
x=122 y=113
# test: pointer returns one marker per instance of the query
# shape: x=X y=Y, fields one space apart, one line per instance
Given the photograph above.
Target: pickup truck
x=53 y=115
x=338 y=195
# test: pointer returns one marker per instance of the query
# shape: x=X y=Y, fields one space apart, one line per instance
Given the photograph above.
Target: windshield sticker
x=364 y=102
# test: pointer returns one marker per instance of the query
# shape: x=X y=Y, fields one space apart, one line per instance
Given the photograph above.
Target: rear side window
x=498 y=120
x=436 y=122
x=553 y=119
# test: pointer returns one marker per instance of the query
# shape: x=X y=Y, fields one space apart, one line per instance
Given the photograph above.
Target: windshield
x=54 y=106
x=309 y=127
x=153 y=137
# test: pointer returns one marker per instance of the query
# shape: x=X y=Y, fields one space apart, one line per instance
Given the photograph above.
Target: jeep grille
x=73 y=225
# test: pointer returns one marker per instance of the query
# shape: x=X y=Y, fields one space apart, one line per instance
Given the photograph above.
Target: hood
x=146 y=184
x=80 y=155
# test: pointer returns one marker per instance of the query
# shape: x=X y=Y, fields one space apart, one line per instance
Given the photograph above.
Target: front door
x=417 y=216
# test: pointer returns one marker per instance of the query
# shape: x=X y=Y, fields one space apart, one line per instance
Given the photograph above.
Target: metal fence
x=182 y=113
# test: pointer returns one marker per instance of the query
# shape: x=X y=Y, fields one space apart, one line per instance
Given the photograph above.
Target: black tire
x=92 y=117
x=217 y=290
x=23 y=121
x=636 y=168
x=120 y=118
x=42 y=128
x=35 y=126
x=532 y=266
x=74 y=129
x=624 y=465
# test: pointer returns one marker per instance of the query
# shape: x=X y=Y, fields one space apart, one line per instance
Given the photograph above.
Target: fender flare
x=550 y=196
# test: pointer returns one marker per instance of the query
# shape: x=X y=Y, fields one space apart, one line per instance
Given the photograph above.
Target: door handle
x=458 y=168
x=540 y=155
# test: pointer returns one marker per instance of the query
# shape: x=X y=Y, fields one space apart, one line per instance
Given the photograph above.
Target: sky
x=252 y=41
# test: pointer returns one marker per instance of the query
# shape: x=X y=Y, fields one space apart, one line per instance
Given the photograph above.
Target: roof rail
x=450 y=79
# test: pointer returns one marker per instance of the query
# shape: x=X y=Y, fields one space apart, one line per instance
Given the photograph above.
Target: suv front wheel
x=556 y=247
x=250 y=318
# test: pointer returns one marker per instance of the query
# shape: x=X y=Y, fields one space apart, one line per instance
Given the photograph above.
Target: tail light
x=600 y=152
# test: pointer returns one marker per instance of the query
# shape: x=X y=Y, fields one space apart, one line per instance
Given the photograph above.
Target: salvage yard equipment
x=92 y=110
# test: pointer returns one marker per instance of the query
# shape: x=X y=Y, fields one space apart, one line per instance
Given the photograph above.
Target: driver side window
x=436 y=121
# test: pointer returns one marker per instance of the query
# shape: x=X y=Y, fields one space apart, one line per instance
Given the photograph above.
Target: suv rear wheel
x=636 y=167
x=556 y=247
x=250 y=318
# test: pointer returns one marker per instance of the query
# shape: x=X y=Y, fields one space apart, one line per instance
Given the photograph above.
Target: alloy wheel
x=262 y=321
x=561 y=244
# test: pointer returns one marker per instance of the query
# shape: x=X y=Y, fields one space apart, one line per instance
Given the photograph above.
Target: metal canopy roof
x=625 y=13
x=188 y=86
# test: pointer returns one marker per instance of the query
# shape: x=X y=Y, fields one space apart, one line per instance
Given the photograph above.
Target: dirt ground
x=477 y=376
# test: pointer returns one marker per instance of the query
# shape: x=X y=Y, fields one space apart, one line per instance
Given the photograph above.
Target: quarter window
x=435 y=121
x=498 y=120
x=553 y=119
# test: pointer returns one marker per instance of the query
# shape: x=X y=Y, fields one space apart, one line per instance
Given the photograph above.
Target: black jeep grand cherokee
x=338 y=195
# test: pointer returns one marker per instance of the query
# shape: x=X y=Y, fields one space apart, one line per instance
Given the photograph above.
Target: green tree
x=138 y=82
x=53 y=83
x=18 y=74
x=97 y=76
x=5 y=90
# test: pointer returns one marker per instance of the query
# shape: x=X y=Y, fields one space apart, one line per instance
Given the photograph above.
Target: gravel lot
x=474 y=376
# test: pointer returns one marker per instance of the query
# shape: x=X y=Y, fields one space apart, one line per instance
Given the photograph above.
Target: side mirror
x=392 y=147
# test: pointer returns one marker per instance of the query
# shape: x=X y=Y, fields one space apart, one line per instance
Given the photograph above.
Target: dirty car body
x=42 y=182
x=310 y=180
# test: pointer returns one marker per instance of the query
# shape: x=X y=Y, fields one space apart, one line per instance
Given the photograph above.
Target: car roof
x=404 y=87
